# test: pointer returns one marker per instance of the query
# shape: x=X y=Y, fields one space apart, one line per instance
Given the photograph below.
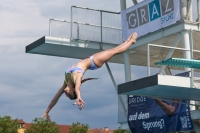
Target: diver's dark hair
x=74 y=96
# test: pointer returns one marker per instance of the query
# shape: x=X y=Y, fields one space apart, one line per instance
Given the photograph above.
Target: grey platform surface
x=161 y=86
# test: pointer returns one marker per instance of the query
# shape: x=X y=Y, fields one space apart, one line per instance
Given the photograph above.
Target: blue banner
x=147 y=115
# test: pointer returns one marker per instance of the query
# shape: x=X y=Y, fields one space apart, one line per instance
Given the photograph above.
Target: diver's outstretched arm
x=54 y=101
x=79 y=100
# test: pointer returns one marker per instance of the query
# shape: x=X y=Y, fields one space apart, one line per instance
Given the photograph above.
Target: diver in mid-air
x=73 y=76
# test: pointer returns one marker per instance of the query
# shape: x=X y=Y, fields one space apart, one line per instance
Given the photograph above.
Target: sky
x=28 y=82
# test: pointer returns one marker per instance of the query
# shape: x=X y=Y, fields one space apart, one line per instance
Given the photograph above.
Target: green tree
x=40 y=125
x=119 y=130
x=78 y=128
x=9 y=126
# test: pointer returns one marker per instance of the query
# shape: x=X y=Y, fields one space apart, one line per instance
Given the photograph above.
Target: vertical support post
x=127 y=67
x=186 y=54
x=77 y=30
x=191 y=54
x=148 y=61
x=189 y=11
x=123 y=4
x=198 y=11
x=196 y=126
x=50 y=27
x=71 y=23
x=101 y=30
x=184 y=9
x=126 y=55
x=127 y=70
x=186 y=44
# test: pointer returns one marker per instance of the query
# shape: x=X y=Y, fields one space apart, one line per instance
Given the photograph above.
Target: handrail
x=86 y=24
x=96 y=9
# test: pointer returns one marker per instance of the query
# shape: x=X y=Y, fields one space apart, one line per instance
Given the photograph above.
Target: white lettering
x=148 y=125
x=155 y=11
x=142 y=116
x=137 y=99
x=139 y=116
x=133 y=117
x=142 y=11
x=129 y=20
x=167 y=10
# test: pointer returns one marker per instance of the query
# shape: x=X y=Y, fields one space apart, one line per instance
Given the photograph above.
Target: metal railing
x=59 y=28
x=105 y=26
x=82 y=27
x=92 y=23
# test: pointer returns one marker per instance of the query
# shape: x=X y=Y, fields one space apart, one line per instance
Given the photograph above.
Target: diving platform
x=62 y=47
x=161 y=86
x=70 y=48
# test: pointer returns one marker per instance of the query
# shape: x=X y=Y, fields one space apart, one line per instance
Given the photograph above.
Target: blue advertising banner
x=147 y=115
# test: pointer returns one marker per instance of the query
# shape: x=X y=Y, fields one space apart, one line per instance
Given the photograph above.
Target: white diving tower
x=79 y=39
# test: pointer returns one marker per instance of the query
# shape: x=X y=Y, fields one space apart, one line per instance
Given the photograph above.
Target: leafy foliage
x=119 y=130
x=40 y=125
x=78 y=128
x=8 y=126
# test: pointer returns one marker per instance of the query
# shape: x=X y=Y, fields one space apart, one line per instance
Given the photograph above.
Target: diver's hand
x=46 y=115
x=80 y=103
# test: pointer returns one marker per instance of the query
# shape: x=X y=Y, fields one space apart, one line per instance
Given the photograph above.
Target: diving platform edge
x=69 y=48
x=161 y=86
x=62 y=47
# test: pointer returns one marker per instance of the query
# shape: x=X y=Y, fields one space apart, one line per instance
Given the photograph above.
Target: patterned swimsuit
x=78 y=69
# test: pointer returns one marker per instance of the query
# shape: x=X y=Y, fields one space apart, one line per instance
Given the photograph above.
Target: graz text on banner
x=149 y=16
